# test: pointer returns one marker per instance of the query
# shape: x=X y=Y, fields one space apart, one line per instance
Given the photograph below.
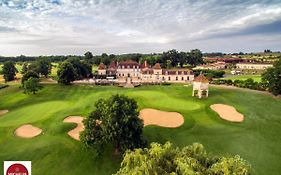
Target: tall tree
x=66 y=73
x=183 y=57
x=272 y=77
x=105 y=59
x=44 y=67
x=115 y=121
x=193 y=159
x=9 y=71
x=172 y=56
x=88 y=56
x=195 y=57
x=82 y=68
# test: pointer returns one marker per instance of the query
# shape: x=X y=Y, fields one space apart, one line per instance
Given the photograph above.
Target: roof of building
x=101 y=66
x=157 y=66
x=128 y=64
x=112 y=65
x=201 y=78
x=223 y=59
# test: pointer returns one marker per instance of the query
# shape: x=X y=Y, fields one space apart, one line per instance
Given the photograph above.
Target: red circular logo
x=17 y=169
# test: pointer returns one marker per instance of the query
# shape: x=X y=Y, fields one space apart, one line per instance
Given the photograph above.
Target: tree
x=31 y=85
x=83 y=69
x=195 y=57
x=272 y=77
x=115 y=121
x=105 y=59
x=9 y=71
x=44 y=67
x=28 y=75
x=33 y=67
x=183 y=57
x=88 y=56
x=24 y=68
x=193 y=159
x=172 y=56
x=66 y=73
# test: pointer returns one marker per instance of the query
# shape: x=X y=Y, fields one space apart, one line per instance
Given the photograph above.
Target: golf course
x=256 y=139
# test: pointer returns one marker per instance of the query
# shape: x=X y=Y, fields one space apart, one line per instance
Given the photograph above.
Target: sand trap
x=227 y=112
x=75 y=133
x=161 y=118
x=27 y=131
x=2 y=112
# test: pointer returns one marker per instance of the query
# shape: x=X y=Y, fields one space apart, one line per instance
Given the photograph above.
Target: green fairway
x=256 y=78
x=257 y=139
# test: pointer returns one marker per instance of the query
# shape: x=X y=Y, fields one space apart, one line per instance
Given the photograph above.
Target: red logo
x=17 y=169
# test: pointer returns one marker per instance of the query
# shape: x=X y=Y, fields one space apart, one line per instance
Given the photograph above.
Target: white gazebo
x=200 y=86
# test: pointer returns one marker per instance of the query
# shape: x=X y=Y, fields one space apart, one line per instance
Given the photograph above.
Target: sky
x=64 y=27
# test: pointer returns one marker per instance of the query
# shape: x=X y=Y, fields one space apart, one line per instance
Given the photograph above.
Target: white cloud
x=127 y=25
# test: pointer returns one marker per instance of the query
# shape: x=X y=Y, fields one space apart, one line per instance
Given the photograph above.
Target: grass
x=256 y=78
x=257 y=139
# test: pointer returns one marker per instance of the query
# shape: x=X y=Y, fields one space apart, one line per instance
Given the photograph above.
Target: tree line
x=171 y=58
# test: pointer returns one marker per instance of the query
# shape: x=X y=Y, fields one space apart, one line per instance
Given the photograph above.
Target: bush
x=210 y=73
x=192 y=159
x=249 y=83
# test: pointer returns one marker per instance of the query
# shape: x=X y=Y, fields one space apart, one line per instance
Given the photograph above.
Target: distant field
x=244 y=77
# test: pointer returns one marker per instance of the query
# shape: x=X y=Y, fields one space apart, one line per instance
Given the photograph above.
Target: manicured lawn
x=244 y=77
x=257 y=139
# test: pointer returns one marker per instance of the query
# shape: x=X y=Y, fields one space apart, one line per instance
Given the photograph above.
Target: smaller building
x=253 y=66
x=102 y=69
x=200 y=86
x=220 y=65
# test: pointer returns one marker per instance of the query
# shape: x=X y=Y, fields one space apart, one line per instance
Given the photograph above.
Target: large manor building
x=144 y=73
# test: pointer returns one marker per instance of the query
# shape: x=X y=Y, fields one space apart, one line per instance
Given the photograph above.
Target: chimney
x=145 y=64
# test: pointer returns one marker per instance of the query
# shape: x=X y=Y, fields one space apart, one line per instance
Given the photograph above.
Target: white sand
x=27 y=131
x=227 y=112
x=75 y=133
x=161 y=118
x=2 y=112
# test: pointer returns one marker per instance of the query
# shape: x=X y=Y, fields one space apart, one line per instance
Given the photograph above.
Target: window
x=187 y=78
x=182 y=78
x=176 y=78
x=169 y=78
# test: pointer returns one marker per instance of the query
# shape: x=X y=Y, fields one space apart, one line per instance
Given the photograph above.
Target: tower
x=200 y=86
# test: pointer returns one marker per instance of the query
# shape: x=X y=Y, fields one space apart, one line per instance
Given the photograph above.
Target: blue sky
x=56 y=27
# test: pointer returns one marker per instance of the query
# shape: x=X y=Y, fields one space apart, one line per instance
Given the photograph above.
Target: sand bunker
x=27 y=131
x=161 y=118
x=75 y=133
x=2 y=112
x=227 y=112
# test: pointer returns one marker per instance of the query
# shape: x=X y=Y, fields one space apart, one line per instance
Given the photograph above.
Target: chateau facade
x=144 y=73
